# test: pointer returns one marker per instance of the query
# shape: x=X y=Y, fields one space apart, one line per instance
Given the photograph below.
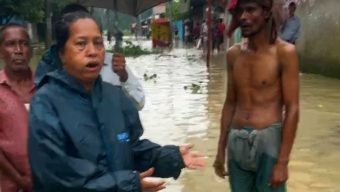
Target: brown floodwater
x=175 y=115
x=177 y=111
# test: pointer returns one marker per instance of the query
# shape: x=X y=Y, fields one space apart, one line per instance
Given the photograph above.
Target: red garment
x=14 y=129
x=197 y=31
x=232 y=4
x=233 y=25
x=221 y=28
x=267 y=4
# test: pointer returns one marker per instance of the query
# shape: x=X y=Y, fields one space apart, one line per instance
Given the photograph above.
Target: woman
x=84 y=133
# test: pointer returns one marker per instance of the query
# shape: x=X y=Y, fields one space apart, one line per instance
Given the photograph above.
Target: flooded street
x=183 y=103
x=176 y=115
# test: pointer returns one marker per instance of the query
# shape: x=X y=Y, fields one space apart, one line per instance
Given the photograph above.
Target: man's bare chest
x=256 y=71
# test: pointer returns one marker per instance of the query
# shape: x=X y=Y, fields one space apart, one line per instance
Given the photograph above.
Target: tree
x=52 y=11
x=57 y=6
x=173 y=11
x=110 y=19
x=28 y=10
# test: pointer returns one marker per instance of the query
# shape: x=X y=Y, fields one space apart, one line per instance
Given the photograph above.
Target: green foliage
x=124 y=21
x=58 y=5
x=132 y=50
x=195 y=88
x=109 y=19
x=173 y=11
x=29 y=10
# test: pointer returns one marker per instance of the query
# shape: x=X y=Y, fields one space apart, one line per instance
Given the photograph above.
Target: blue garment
x=90 y=141
x=49 y=62
x=291 y=29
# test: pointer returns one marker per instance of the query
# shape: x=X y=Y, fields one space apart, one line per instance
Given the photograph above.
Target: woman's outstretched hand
x=192 y=159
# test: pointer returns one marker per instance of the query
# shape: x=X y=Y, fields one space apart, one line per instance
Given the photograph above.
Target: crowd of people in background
x=196 y=32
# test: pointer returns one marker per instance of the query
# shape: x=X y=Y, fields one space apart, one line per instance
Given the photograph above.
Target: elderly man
x=16 y=89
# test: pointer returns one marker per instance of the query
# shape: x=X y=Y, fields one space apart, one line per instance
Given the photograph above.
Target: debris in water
x=195 y=88
x=151 y=77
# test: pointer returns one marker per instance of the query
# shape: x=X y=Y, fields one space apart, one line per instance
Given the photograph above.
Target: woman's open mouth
x=93 y=66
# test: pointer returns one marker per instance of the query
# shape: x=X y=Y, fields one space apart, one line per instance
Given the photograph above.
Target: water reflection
x=172 y=113
x=175 y=115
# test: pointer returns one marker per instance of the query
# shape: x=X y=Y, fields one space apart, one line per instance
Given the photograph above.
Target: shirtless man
x=261 y=111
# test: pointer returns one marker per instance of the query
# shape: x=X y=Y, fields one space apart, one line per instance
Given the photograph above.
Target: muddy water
x=176 y=115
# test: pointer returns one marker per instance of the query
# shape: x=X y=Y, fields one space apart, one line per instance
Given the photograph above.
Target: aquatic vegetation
x=150 y=77
x=195 y=88
x=132 y=50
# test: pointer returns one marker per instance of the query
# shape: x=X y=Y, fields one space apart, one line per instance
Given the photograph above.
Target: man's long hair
x=265 y=4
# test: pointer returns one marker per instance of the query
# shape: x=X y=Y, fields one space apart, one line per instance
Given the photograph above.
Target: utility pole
x=209 y=32
x=171 y=23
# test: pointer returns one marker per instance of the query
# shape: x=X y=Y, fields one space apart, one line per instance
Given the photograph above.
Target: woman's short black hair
x=73 y=7
x=62 y=29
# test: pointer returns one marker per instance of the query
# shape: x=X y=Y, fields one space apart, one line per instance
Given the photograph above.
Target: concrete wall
x=319 y=44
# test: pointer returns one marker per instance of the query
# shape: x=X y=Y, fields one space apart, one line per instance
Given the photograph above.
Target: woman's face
x=83 y=53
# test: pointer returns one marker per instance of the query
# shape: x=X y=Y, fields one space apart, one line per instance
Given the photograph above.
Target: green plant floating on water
x=151 y=77
x=132 y=50
x=195 y=88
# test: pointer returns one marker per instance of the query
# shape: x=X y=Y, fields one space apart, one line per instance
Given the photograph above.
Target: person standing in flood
x=204 y=37
x=261 y=110
x=221 y=33
x=290 y=30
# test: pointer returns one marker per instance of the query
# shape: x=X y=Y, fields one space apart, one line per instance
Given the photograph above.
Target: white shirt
x=186 y=31
x=205 y=31
x=131 y=87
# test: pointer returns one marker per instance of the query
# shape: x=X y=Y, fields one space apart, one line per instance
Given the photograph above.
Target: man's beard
x=249 y=34
x=21 y=69
x=253 y=32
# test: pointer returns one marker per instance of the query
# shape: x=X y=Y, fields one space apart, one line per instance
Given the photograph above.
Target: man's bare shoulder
x=286 y=52
x=236 y=48
x=285 y=49
x=233 y=52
